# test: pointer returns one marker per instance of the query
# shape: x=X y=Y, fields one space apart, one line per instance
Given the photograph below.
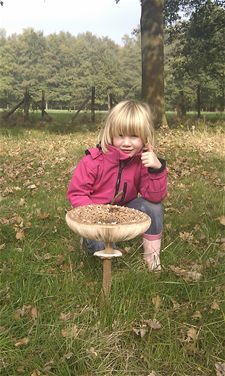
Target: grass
x=53 y=320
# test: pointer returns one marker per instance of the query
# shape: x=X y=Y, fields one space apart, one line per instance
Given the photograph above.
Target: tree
x=154 y=15
x=197 y=58
x=153 y=57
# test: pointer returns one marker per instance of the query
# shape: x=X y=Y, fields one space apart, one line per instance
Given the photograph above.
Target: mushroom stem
x=107 y=270
x=107 y=276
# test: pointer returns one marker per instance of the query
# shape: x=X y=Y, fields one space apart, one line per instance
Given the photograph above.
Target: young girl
x=124 y=161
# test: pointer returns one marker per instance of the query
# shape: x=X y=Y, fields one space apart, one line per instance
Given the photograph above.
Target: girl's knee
x=151 y=208
x=155 y=212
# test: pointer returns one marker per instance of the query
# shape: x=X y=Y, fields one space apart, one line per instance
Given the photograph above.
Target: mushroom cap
x=85 y=221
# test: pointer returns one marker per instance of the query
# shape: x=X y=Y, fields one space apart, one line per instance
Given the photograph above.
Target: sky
x=100 y=17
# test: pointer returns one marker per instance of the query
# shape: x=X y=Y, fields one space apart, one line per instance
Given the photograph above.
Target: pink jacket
x=99 y=176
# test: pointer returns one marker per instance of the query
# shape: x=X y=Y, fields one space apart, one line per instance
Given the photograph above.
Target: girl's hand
x=149 y=158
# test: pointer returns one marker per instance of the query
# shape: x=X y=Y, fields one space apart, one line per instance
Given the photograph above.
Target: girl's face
x=130 y=145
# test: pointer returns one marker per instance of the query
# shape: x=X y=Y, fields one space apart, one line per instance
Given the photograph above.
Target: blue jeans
x=153 y=210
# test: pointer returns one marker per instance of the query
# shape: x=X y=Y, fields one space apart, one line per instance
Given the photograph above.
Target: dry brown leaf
x=68 y=355
x=22 y=342
x=222 y=220
x=59 y=260
x=186 y=274
x=156 y=302
x=44 y=215
x=2 y=246
x=220 y=369
x=36 y=372
x=141 y=330
x=70 y=332
x=222 y=247
x=93 y=352
x=153 y=324
x=192 y=334
x=20 y=370
x=186 y=236
x=26 y=310
x=20 y=235
x=32 y=186
x=66 y=316
x=22 y=202
x=220 y=241
x=215 y=306
x=197 y=315
x=176 y=306
x=48 y=366
x=34 y=313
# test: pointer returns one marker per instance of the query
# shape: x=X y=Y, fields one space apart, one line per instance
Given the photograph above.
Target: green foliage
x=66 y=67
x=195 y=59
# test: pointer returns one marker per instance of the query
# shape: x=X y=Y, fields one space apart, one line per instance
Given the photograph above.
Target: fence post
x=26 y=104
x=42 y=104
x=110 y=101
x=93 y=104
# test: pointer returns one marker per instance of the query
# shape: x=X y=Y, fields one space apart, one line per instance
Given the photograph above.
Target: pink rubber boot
x=152 y=245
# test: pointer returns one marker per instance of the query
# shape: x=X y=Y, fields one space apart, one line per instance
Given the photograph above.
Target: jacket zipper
x=118 y=178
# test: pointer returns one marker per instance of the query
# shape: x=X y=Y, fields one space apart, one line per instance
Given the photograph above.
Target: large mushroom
x=107 y=223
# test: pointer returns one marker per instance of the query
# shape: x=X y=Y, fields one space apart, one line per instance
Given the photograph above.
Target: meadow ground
x=53 y=319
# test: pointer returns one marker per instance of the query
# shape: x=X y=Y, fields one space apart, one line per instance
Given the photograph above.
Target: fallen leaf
x=93 y=352
x=220 y=369
x=20 y=370
x=186 y=274
x=215 y=306
x=222 y=220
x=68 y=355
x=36 y=373
x=220 y=241
x=48 y=366
x=197 y=315
x=44 y=215
x=156 y=302
x=66 y=316
x=176 y=306
x=22 y=202
x=2 y=246
x=186 y=236
x=141 y=331
x=20 y=235
x=222 y=247
x=34 y=313
x=27 y=310
x=70 y=332
x=192 y=334
x=22 y=342
x=59 y=260
x=153 y=324
x=32 y=186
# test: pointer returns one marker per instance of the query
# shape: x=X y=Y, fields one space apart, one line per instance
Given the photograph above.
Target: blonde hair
x=128 y=117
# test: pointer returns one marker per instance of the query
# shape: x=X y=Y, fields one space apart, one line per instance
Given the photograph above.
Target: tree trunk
x=153 y=58
x=181 y=107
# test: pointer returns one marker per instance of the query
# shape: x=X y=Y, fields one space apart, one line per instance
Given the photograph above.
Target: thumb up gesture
x=149 y=158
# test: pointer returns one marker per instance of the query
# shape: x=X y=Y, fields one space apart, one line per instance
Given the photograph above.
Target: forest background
x=67 y=66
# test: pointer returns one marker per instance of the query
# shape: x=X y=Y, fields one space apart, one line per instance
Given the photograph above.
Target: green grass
x=63 y=121
x=51 y=291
